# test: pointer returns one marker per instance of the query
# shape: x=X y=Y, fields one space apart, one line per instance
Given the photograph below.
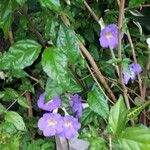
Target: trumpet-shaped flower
x=70 y=127
x=134 y=70
x=109 y=36
x=50 y=124
x=49 y=106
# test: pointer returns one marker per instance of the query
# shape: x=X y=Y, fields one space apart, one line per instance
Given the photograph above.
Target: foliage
x=53 y=46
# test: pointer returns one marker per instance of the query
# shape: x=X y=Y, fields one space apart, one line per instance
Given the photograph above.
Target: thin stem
x=68 y=145
x=28 y=97
x=110 y=143
x=135 y=60
x=91 y=12
x=101 y=89
x=10 y=34
x=113 y=57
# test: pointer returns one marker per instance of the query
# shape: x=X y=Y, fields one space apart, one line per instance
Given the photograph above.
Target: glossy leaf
x=20 y=55
x=68 y=43
x=118 y=117
x=54 y=63
x=51 y=4
x=97 y=102
x=15 y=119
x=135 y=138
x=53 y=89
x=6 y=10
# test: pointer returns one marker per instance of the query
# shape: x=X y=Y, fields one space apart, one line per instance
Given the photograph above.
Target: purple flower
x=109 y=36
x=50 y=124
x=76 y=105
x=49 y=106
x=134 y=70
x=70 y=127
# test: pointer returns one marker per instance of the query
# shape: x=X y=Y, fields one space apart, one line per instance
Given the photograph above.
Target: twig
x=11 y=38
x=135 y=60
x=91 y=12
x=101 y=89
x=28 y=97
x=93 y=64
x=113 y=57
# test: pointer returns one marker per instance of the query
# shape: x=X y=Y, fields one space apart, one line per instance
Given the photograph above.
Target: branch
x=120 y=22
x=92 y=62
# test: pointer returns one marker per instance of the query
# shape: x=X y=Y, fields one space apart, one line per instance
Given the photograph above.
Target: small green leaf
x=134 y=112
x=2 y=109
x=51 y=4
x=135 y=138
x=97 y=102
x=134 y=3
x=97 y=143
x=20 y=55
x=68 y=43
x=16 y=120
x=23 y=102
x=118 y=117
x=9 y=94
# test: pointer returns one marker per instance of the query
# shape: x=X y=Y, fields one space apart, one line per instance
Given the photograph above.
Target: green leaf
x=68 y=43
x=54 y=63
x=6 y=9
x=118 y=117
x=20 y=55
x=51 y=4
x=21 y=2
x=9 y=94
x=97 y=143
x=23 y=102
x=2 y=109
x=16 y=120
x=53 y=89
x=27 y=85
x=134 y=3
x=97 y=102
x=135 y=138
x=134 y=112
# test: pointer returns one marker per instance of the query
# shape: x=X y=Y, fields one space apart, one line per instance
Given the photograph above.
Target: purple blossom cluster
x=52 y=124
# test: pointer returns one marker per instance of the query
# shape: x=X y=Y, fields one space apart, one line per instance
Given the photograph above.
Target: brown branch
x=120 y=22
x=10 y=34
x=28 y=97
x=95 y=79
x=91 y=12
x=92 y=62
x=97 y=70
